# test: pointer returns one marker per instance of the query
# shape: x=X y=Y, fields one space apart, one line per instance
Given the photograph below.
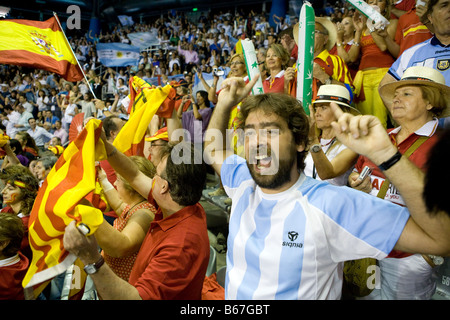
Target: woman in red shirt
x=277 y=59
x=375 y=62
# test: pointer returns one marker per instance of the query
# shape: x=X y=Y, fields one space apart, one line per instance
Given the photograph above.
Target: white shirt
x=331 y=150
x=40 y=135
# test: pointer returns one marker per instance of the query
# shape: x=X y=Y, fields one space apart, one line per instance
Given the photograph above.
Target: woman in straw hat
x=414 y=102
x=328 y=159
x=375 y=61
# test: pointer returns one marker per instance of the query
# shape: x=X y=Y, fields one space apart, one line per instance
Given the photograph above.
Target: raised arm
x=125 y=167
x=234 y=90
x=425 y=232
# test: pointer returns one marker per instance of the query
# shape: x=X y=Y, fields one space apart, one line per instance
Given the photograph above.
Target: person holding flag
x=172 y=261
x=327 y=68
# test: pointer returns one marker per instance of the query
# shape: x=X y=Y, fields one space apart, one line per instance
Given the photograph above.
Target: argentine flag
x=117 y=54
x=143 y=39
x=126 y=20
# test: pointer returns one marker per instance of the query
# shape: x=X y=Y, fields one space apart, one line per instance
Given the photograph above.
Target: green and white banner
x=305 y=59
x=251 y=64
x=378 y=20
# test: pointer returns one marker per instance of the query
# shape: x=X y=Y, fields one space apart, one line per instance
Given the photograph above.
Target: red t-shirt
x=372 y=56
x=410 y=31
x=172 y=261
x=11 y=277
x=274 y=85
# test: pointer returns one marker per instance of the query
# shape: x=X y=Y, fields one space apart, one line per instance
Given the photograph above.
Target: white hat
x=328 y=25
x=419 y=76
x=334 y=93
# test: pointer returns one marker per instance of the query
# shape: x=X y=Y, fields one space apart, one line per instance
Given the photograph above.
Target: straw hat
x=335 y=93
x=419 y=76
x=328 y=25
x=161 y=134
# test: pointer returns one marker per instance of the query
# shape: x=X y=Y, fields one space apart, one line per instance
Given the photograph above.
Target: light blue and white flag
x=143 y=39
x=126 y=20
x=117 y=54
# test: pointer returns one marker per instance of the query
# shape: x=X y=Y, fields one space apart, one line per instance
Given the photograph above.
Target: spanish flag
x=146 y=101
x=59 y=201
x=40 y=45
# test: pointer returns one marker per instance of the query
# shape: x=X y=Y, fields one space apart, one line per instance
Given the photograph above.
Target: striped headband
x=340 y=99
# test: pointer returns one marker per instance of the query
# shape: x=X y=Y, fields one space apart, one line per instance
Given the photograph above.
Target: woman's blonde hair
x=145 y=166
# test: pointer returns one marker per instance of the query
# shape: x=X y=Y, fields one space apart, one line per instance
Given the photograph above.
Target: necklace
x=328 y=143
x=136 y=205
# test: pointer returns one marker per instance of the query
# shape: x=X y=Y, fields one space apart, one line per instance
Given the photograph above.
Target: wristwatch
x=315 y=148
x=93 y=267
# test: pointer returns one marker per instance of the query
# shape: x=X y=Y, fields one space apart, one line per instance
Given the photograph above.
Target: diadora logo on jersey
x=292 y=236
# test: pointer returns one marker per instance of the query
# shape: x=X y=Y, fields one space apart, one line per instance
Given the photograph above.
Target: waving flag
x=146 y=101
x=143 y=39
x=58 y=203
x=40 y=45
x=126 y=20
x=366 y=9
x=117 y=54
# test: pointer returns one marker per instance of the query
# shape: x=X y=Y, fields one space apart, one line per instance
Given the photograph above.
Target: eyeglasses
x=156 y=145
x=236 y=63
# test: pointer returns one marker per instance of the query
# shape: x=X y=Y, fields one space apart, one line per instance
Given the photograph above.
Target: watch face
x=90 y=269
x=315 y=148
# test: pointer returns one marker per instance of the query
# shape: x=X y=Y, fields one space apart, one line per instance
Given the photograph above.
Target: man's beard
x=278 y=178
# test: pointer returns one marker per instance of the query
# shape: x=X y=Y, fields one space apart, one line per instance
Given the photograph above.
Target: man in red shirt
x=174 y=255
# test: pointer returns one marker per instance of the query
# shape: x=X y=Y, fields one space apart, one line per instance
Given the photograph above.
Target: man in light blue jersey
x=289 y=235
x=432 y=53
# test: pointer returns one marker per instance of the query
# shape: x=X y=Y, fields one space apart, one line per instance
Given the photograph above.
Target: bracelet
x=390 y=162
x=106 y=185
x=112 y=153
x=356 y=44
x=339 y=44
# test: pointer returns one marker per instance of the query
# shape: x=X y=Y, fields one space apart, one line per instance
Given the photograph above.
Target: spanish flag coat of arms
x=40 y=45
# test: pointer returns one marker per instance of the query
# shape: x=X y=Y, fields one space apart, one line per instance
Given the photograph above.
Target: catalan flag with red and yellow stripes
x=146 y=101
x=59 y=201
x=40 y=45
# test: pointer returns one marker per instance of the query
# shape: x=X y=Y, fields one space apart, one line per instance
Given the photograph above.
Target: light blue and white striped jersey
x=292 y=245
x=430 y=53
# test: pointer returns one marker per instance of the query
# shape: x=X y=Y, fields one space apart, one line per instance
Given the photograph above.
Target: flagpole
x=82 y=71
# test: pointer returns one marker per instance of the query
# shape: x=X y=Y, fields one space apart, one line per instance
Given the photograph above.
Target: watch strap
x=391 y=161
x=95 y=265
